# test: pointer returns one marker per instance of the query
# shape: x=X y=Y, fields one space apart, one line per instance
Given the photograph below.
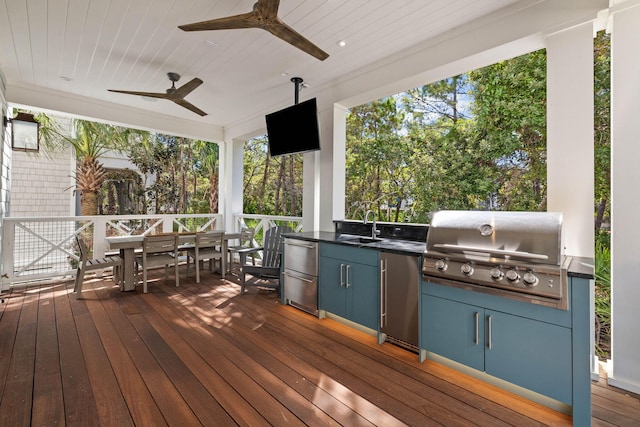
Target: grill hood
x=532 y=237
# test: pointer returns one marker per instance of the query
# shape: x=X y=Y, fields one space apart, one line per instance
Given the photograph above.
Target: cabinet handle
x=286 y=273
x=347 y=284
x=383 y=292
x=303 y=245
x=477 y=315
x=341 y=275
x=489 y=332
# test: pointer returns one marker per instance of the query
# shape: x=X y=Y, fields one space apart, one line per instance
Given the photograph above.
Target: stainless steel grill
x=517 y=255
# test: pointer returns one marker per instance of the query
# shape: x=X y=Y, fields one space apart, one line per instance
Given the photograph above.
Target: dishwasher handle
x=383 y=292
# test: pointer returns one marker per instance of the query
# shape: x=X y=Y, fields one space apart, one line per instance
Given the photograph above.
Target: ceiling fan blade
x=268 y=9
x=185 y=89
x=244 y=20
x=189 y=106
x=291 y=36
x=148 y=94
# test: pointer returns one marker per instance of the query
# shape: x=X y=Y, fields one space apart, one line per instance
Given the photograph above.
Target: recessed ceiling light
x=212 y=43
x=65 y=78
x=341 y=43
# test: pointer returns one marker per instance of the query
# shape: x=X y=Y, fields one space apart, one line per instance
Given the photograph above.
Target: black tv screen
x=294 y=129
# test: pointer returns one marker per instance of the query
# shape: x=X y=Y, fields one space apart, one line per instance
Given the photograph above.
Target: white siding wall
x=42 y=186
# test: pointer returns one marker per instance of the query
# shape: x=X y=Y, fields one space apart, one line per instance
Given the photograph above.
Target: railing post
x=99 y=234
x=8 y=244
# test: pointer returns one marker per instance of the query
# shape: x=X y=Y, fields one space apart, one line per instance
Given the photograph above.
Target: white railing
x=40 y=248
x=37 y=248
x=260 y=223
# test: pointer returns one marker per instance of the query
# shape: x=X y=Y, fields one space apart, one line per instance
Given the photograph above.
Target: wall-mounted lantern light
x=24 y=132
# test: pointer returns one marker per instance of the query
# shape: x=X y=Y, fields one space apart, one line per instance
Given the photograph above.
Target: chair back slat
x=156 y=244
x=272 y=248
x=246 y=237
x=209 y=239
x=82 y=248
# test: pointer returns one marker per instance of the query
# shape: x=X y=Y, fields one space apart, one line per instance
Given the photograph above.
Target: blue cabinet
x=348 y=283
x=495 y=338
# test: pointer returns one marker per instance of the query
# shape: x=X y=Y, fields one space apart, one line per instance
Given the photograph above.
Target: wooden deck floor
x=205 y=355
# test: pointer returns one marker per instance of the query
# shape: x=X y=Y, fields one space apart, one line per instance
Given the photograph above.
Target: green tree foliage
x=602 y=135
x=181 y=175
x=272 y=185
x=473 y=141
x=90 y=140
x=509 y=108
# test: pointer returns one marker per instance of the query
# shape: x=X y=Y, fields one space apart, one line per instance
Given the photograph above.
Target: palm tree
x=90 y=140
x=209 y=156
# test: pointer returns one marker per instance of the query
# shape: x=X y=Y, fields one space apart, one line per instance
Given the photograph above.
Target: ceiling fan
x=172 y=94
x=264 y=16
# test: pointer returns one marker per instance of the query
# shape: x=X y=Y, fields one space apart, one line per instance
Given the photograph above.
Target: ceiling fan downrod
x=298 y=82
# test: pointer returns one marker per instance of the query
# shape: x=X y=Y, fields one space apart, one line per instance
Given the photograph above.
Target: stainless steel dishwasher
x=399 y=290
x=300 y=274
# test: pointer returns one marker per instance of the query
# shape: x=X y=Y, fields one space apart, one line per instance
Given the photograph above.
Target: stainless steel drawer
x=301 y=256
x=301 y=290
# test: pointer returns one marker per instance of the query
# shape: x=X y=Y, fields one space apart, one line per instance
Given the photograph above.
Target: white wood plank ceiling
x=84 y=47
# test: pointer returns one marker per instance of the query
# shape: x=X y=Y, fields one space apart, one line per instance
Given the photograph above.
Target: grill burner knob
x=512 y=276
x=466 y=269
x=495 y=273
x=441 y=265
x=530 y=279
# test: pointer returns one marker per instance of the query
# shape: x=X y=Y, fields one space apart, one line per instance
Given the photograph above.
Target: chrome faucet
x=374 y=230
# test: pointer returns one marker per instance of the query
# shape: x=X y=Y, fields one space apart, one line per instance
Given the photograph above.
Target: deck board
x=202 y=354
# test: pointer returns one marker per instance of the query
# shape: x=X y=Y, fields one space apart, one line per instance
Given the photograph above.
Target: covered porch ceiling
x=63 y=56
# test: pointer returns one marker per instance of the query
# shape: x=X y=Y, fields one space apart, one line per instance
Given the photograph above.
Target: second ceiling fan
x=172 y=94
x=264 y=16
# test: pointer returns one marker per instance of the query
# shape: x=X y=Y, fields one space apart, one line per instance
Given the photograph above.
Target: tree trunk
x=88 y=203
x=213 y=193
x=263 y=185
x=602 y=206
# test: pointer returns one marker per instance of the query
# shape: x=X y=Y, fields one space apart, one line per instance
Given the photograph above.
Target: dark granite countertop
x=383 y=244
x=581 y=267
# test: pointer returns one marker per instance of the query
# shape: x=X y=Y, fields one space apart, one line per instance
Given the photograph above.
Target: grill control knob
x=441 y=265
x=466 y=269
x=530 y=279
x=495 y=273
x=512 y=276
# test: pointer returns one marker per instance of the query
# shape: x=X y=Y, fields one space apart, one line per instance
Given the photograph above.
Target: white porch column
x=231 y=181
x=570 y=157
x=570 y=169
x=324 y=175
x=625 y=203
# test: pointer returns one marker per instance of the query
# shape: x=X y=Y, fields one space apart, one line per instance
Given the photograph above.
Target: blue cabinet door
x=362 y=297
x=535 y=355
x=331 y=286
x=453 y=330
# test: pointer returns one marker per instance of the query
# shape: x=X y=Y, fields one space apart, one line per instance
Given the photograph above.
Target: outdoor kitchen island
x=534 y=350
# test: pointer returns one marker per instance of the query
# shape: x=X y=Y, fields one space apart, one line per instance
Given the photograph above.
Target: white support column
x=231 y=181
x=570 y=169
x=625 y=203
x=570 y=154
x=323 y=180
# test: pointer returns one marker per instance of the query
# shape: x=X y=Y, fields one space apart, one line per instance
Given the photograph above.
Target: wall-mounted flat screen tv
x=294 y=129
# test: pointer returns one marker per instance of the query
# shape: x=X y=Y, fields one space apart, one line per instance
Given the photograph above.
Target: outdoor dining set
x=142 y=252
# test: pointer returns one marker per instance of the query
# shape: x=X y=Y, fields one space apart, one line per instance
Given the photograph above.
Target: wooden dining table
x=127 y=245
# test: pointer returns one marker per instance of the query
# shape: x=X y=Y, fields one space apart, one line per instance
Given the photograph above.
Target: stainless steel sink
x=368 y=240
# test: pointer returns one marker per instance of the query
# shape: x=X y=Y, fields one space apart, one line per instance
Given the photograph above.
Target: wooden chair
x=85 y=264
x=208 y=246
x=245 y=242
x=271 y=259
x=158 y=250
